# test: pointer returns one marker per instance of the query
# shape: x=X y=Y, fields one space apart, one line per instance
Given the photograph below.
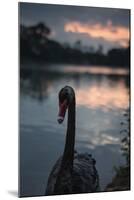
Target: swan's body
x=73 y=173
x=84 y=178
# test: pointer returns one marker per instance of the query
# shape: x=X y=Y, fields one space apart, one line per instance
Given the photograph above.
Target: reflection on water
x=102 y=95
x=90 y=70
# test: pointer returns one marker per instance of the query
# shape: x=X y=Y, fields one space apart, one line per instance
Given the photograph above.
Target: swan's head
x=66 y=96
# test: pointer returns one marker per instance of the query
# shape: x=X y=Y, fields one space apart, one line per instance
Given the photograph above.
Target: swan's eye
x=63 y=95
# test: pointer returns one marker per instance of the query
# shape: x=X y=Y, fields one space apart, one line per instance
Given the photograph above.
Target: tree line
x=35 y=44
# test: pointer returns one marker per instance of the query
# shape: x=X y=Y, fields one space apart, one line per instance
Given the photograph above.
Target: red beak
x=62 y=111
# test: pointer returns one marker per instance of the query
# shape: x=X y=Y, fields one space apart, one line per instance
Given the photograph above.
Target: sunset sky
x=93 y=26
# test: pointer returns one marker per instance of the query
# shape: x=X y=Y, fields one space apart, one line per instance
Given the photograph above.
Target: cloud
x=109 y=32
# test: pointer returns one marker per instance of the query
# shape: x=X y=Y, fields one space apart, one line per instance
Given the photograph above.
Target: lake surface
x=102 y=96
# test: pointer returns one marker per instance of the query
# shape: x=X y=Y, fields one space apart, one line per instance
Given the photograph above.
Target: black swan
x=73 y=173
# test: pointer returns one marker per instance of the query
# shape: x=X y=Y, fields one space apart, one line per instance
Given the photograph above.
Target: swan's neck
x=68 y=155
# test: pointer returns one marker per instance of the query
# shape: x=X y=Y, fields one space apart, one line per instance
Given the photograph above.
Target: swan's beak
x=60 y=119
x=62 y=111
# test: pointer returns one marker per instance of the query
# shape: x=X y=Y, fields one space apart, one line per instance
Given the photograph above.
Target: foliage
x=126 y=138
x=35 y=43
x=121 y=181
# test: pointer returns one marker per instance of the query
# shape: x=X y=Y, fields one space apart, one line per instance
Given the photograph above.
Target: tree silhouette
x=100 y=50
x=36 y=44
x=78 y=45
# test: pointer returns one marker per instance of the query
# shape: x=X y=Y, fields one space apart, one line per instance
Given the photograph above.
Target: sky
x=93 y=26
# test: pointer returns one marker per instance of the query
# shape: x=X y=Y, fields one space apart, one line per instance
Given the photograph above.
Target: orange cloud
x=108 y=32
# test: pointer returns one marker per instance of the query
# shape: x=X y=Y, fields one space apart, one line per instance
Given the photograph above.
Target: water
x=102 y=95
